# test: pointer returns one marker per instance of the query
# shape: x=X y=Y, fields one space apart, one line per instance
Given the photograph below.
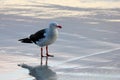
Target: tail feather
x=25 y=40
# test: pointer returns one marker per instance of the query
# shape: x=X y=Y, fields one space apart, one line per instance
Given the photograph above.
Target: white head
x=55 y=25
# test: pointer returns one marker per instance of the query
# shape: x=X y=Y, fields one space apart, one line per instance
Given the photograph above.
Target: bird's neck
x=52 y=29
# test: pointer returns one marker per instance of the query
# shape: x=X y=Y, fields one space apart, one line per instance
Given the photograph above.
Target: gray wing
x=38 y=35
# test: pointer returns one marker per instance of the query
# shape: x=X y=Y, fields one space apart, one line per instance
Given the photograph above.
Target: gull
x=44 y=37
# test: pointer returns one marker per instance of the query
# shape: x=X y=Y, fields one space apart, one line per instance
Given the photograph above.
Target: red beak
x=59 y=26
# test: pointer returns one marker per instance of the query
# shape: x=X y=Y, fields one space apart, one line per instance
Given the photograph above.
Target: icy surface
x=88 y=47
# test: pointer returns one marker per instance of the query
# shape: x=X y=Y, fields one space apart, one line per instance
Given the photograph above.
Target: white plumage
x=44 y=37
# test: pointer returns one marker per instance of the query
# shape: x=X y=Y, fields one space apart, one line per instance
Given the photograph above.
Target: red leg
x=42 y=52
x=47 y=52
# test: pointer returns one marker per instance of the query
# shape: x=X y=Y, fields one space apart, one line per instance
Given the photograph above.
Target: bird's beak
x=59 y=26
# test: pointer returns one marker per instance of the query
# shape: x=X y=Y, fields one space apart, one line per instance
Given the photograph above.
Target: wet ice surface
x=87 y=48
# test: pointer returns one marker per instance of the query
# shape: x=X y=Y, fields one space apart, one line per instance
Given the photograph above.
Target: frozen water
x=88 y=47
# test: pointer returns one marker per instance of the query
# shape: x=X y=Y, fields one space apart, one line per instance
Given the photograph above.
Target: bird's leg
x=42 y=52
x=41 y=56
x=48 y=55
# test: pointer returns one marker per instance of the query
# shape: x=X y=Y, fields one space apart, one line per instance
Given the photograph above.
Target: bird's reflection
x=46 y=62
x=41 y=72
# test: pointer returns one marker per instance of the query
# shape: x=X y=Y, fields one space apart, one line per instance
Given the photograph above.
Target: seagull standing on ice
x=44 y=37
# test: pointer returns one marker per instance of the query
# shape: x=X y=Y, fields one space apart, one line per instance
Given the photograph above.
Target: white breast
x=50 y=37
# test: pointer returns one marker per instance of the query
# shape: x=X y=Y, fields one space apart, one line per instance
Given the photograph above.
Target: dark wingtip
x=20 y=40
x=25 y=40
